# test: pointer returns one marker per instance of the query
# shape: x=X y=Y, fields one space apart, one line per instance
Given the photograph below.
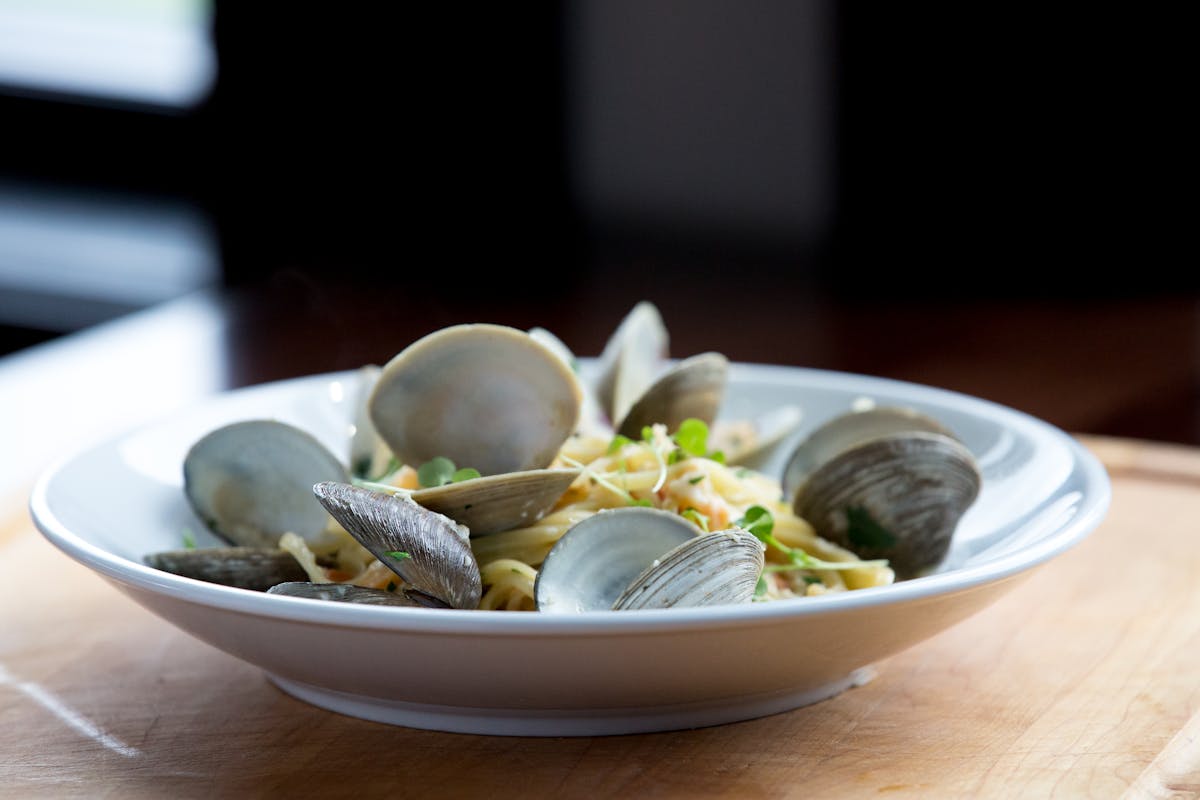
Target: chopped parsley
x=399 y=555
x=189 y=540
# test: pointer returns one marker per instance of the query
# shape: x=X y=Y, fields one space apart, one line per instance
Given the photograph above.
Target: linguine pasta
x=654 y=471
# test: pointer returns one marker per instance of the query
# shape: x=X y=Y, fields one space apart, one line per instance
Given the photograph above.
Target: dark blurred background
x=820 y=182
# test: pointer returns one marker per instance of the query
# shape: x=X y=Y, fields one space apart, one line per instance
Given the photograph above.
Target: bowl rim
x=1096 y=493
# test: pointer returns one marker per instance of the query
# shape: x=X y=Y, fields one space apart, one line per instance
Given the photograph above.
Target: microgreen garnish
x=759 y=521
x=439 y=470
x=647 y=433
x=695 y=480
x=189 y=540
x=865 y=531
x=760 y=589
x=399 y=555
x=692 y=440
x=596 y=478
x=692 y=437
x=645 y=502
x=617 y=443
x=695 y=516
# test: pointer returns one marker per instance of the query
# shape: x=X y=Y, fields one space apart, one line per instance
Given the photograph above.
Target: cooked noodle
x=709 y=493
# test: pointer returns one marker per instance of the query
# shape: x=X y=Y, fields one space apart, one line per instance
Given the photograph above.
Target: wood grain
x=1082 y=682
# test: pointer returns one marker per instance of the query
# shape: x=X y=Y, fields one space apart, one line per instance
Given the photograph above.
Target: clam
x=646 y=558
x=488 y=397
x=251 y=482
x=633 y=388
x=485 y=396
x=885 y=483
x=720 y=568
x=498 y=502
x=692 y=388
x=631 y=359
x=254 y=568
x=346 y=593
x=427 y=550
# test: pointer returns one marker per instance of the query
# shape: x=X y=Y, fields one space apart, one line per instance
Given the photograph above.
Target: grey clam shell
x=639 y=558
x=596 y=559
x=692 y=388
x=719 y=568
x=344 y=593
x=485 y=396
x=498 y=503
x=440 y=563
x=895 y=492
x=251 y=482
x=242 y=567
x=631 y=359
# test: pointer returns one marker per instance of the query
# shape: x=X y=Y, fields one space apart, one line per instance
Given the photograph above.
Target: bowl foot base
x=565 y=722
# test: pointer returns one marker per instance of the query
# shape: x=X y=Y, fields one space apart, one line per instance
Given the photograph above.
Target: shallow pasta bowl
x=591 y=674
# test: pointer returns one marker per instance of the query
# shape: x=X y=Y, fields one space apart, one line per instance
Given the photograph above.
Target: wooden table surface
x=1082 y=682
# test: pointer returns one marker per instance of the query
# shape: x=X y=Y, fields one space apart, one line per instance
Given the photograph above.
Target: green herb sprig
x=761 y=523
x=439 y=471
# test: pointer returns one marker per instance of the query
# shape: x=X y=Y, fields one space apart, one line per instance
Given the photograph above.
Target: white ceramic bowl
x=600 y=673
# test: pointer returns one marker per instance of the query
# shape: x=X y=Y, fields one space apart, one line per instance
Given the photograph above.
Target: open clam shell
x=251 y=482
x=848 y=430
x=633 y=558
x=631 y=359
x=344 y=593
x=498 y=502
x=437 y=559
x=895 y=492
x=692 y=388
x=593 y=562
x=254 y=568
x=485 y=396
x=715 y=569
